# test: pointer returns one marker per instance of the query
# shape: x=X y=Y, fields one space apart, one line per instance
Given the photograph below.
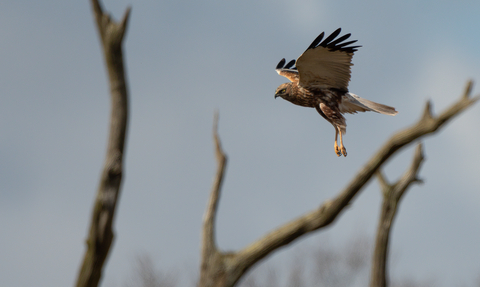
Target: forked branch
x=229 y=267
x=101 y=235
x=392 y=193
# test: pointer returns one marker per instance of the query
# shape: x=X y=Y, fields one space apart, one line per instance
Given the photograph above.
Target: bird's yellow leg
x=342 y=147
x=337 y=150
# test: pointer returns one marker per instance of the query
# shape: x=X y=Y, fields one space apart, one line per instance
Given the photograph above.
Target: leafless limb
x=392 y=193
x=101 y=235
x=225 y=269
x=211 y=257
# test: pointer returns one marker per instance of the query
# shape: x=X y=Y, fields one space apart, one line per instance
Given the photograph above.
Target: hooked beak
x=276 y=96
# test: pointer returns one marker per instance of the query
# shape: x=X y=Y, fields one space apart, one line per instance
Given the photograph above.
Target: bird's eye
x=283 y=91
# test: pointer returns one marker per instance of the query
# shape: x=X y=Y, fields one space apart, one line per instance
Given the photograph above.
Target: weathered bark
x=220 y=268
x=392 y=193
x=100 y=236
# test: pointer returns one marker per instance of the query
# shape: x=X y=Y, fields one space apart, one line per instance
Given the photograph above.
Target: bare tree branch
x=101 y=235
x=391 y=200
x=210 y=254
x=229 y=267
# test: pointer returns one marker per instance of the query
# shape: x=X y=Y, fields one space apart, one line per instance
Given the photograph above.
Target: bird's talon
x=337 y=151
x=344 y=151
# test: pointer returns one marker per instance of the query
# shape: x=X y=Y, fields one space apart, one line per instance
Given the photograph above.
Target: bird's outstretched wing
x=288 y=71
x=326 y=64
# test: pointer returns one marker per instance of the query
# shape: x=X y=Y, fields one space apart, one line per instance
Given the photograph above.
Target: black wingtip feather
x=334 y=44
x=290 y=64
x=280 y=64
x=341 y=39
x=346 y=43
x=331 y=37
x=316 y=41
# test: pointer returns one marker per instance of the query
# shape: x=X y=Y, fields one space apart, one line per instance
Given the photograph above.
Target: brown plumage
x=319 y=79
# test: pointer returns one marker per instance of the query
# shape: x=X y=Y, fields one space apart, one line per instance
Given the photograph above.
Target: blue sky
x=184 y=60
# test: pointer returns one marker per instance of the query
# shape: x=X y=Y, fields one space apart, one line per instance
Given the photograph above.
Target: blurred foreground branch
x=100 y=235
x=220 y=268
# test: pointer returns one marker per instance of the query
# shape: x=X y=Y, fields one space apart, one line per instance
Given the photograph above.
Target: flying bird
x=319 y=79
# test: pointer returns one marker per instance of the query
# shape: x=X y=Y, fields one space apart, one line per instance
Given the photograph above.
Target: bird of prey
x=319 y=79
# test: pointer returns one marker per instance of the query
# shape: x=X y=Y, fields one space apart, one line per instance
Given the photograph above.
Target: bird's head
x=284 y=91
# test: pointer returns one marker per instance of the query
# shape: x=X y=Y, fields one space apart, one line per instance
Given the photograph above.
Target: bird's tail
x=376 y=107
